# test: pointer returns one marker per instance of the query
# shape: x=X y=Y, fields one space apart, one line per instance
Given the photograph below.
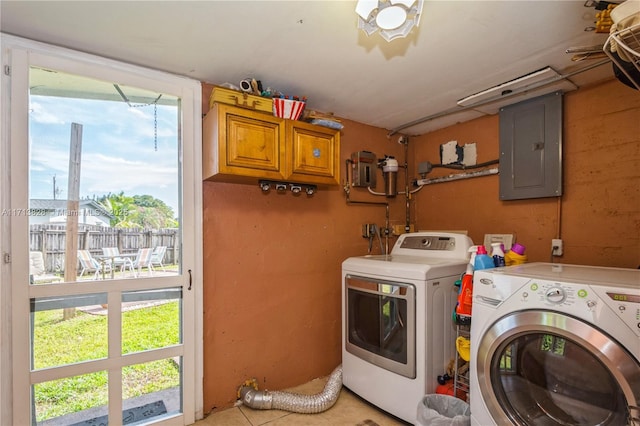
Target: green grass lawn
x=84 y=337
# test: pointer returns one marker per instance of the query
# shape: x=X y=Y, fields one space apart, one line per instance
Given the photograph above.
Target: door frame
x=16 y=54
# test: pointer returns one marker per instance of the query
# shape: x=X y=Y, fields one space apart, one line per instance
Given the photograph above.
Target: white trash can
x=443 y=410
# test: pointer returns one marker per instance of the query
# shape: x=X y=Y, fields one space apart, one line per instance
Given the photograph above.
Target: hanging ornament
x=155 y=112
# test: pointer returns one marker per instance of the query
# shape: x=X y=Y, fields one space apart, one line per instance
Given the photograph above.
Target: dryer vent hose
x=293 y=402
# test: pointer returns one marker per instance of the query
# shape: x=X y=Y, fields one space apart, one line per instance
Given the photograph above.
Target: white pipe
x=374 y=192
x=399 y=193
x=293 y=402
x=493 y=171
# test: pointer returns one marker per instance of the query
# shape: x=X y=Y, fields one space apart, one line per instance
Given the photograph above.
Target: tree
x=138 y=211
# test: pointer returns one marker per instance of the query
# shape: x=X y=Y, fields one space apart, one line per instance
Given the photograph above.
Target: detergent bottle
x=498 y=254
x=516 y=255
x=465 y=297
x=482 y=259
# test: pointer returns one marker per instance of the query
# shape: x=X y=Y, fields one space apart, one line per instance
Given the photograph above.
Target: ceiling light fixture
x=393 y=18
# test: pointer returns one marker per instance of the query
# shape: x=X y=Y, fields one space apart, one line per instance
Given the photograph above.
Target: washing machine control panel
x=613 y=292
x=552 y=292
x=556 y=295
x=428 y=242
x=624 y=304
x=445 y=245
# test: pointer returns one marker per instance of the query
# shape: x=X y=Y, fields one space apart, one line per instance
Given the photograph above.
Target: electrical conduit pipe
x=293 y=402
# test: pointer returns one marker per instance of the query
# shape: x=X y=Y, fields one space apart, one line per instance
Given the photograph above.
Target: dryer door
x=381 y=323
x=547 y=368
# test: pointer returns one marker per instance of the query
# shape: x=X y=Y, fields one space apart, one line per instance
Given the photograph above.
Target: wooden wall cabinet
x=241 y=145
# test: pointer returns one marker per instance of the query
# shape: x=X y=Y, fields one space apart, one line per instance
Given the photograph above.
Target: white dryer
x=398 y=333
x=555 y=344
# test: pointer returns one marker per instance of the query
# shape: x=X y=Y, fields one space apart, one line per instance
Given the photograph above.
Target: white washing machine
x=555 y=344
x=398 y=333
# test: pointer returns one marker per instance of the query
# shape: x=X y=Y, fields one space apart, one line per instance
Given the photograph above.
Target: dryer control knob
x=556 y=295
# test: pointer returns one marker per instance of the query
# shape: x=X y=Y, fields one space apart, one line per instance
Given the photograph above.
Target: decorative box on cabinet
x=239 y=99
x=241 y=145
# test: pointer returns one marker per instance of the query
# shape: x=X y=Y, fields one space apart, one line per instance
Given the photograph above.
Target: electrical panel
x=531 y=148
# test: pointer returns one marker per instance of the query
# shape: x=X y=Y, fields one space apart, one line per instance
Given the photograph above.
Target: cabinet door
x=242 y=143
x=313 y=154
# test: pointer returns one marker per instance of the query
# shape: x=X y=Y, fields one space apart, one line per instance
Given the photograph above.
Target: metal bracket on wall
x=282 y=187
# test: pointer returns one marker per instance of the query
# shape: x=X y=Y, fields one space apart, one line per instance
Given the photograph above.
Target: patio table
x=103 y=260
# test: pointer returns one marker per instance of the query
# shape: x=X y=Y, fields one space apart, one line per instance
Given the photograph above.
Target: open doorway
x=103 y=240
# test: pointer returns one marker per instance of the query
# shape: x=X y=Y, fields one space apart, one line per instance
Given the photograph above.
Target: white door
x=100 y=235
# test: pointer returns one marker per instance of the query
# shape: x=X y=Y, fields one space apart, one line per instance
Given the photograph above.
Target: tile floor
x=349 y=410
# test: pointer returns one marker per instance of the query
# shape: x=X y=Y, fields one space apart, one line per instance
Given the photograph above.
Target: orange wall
x=272 y=275
x=272 y=263
x=598 y=215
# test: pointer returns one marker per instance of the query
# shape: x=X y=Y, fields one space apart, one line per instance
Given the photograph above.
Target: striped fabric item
x=287 y=108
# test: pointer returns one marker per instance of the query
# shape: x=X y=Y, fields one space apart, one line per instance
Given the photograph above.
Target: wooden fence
x=50 y=239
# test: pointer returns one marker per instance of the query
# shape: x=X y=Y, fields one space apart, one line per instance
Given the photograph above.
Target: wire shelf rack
x=461 y=374
x=623 y=48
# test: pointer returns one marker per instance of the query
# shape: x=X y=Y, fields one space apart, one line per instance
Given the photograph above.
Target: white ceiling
x=314 y=49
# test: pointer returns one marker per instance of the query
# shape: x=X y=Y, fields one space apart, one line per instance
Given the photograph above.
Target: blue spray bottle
x=482 y=260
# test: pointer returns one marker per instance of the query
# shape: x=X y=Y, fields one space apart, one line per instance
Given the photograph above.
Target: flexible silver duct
x=293 y=402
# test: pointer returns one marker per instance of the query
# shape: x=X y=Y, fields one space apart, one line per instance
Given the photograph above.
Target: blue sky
x=117 y=148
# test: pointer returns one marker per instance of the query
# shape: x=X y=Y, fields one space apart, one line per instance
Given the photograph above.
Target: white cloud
x=132 y=175
x=40 y=115
x=117 y=149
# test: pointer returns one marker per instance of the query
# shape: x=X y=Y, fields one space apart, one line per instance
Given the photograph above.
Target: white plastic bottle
x=498 y=254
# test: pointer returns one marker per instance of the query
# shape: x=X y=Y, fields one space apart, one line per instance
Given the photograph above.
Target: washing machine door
x=547 y=368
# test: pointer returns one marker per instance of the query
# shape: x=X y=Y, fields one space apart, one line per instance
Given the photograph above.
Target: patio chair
x=143 y=260
x=117 y=260
x=89 y=264
x=157 y=257
x=37 y=272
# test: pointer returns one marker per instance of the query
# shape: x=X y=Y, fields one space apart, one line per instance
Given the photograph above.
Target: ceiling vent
x=527 y=86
